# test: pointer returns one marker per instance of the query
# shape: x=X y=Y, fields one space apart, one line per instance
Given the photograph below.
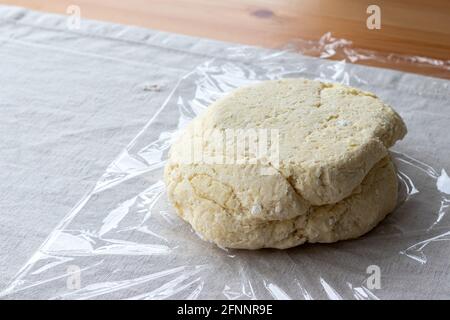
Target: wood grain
x=412 y=27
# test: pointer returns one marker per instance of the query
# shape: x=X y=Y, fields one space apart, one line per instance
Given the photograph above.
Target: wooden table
x=410 y=27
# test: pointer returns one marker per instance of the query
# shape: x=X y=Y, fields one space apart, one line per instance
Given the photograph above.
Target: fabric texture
x=71 y=100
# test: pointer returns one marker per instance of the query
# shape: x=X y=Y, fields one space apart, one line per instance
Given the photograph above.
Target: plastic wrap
x=124 y=240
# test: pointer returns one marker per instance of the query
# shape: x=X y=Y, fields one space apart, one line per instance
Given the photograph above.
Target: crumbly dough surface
x=333 y=179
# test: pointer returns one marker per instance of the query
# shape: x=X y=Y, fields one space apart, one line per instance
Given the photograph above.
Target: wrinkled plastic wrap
x=124 y=240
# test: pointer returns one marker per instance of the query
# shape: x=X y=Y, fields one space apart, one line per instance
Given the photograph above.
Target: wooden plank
x=413 y=27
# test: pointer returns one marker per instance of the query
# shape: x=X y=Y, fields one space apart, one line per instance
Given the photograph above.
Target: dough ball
x=284 y=162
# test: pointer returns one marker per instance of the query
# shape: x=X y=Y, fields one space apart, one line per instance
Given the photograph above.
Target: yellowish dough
x=331 y=177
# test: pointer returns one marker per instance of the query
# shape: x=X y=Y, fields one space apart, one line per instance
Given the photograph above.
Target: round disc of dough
x=321 y=142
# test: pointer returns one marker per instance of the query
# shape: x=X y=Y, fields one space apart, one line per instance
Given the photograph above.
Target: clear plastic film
x=124 y=240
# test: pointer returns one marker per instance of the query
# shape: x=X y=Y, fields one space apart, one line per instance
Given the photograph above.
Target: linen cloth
x=71 y=100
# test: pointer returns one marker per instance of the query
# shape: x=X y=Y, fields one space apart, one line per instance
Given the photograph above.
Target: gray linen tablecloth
x=71 y=100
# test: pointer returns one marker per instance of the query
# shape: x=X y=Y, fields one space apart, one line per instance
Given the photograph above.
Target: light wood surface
x=412 y=27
